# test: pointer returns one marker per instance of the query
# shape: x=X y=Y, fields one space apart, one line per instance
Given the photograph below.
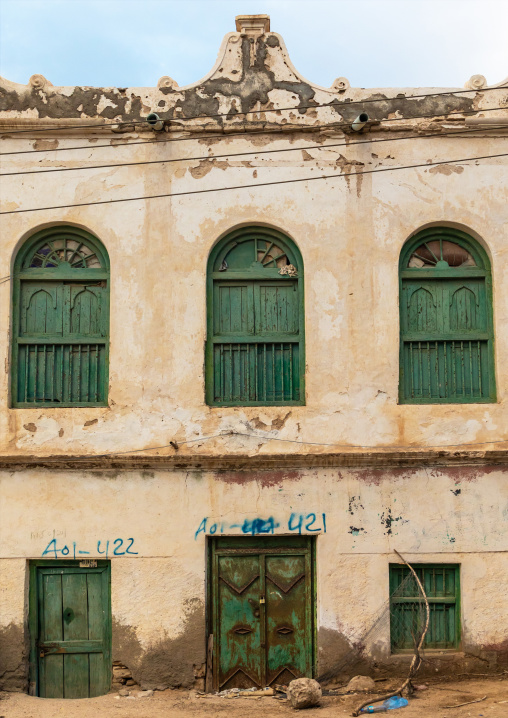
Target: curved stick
x=416 y=660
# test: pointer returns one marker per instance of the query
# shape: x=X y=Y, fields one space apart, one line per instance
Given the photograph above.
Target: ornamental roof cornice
x=253 y=74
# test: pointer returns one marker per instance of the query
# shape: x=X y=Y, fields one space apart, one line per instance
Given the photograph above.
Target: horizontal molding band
x=242 y=462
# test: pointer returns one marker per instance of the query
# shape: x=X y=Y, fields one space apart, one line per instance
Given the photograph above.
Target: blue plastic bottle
x=388 y=705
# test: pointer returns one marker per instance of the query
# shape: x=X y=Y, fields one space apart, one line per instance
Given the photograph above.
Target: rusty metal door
x=262 y=610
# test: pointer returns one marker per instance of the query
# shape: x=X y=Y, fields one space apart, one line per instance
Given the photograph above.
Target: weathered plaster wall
x=349 y=229
x=350 y=232
x=13 y=638
x=158 y=593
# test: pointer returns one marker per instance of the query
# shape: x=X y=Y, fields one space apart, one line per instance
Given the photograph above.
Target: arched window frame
x=254 y=274
x=50 y=351
x=460 y=341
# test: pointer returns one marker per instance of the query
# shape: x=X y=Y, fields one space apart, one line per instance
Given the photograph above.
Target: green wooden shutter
x=446 y=329
x=255 y=323
x=442 y=587
x=61 y=324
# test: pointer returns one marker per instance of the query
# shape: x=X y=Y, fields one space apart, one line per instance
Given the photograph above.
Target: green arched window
x=255 y=343
x=61 y=320
x=447 y=339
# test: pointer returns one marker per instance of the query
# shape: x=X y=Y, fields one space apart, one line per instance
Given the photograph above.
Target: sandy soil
x=182 y=704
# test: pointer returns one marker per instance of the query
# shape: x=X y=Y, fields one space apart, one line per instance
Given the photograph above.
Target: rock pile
x=122 y=677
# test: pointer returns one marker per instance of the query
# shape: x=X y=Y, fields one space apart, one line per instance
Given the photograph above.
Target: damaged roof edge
x=252 y=74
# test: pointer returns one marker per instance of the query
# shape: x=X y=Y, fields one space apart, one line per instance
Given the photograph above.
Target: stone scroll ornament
x=476 y=82
x=39 y=82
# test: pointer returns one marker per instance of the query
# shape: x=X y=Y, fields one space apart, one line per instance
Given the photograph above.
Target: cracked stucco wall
x=350 y=230
x=158 y=595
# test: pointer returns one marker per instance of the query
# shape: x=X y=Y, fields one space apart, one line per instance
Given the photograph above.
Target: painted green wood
x=75 y=625
x=255 y=345
x=52 y=673
x=70 y=629
x=287 y=581
x=262 y=610
x=60 y=321
x=446 y=325
x=239 y=643
x=442 y=587
x=99 y=676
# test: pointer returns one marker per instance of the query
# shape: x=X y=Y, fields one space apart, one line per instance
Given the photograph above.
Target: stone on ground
x=304 y=693
x=361 y=684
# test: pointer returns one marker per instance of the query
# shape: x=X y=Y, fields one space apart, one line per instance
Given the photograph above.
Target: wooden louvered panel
x=442 y=588
x=61 y=373
x=452 y=370
x=256 y=372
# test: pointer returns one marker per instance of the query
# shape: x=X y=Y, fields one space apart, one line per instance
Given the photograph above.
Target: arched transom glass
x=440 y=254
x=77 y=253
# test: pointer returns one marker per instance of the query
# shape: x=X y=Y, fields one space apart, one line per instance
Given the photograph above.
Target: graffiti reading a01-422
x=297 y=523
x=116 y=547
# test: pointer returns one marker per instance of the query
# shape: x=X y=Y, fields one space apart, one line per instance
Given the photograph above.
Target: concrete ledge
x=243 y=462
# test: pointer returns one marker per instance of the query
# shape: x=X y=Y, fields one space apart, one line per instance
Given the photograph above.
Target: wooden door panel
x=240 y=625
x=52 y=677
x=85 y=311
x=233 y=310
x=422 y=307
x=276 y=308
x=52 y=626
x=287 y=631
x=41 y=308
x=73 y=644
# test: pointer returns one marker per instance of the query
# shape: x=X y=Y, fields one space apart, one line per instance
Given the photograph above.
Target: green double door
x=70 y=629
x=263 y=610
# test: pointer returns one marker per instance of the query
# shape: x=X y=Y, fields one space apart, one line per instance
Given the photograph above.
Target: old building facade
x=249 y=353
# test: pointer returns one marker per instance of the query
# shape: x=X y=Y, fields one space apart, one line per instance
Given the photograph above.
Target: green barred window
x=447 y=340
x=255 y=348
x=61 y=320
x=407 y=613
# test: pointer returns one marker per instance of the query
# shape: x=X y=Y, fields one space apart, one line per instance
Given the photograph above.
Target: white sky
x=374 y=43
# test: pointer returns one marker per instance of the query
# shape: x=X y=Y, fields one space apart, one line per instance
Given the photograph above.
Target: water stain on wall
x=167 y=662
x=13 y=659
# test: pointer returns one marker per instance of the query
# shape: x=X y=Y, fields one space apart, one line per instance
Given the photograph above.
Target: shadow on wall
x=169 y=662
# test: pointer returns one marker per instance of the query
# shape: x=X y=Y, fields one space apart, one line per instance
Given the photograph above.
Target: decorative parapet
x=253 y=84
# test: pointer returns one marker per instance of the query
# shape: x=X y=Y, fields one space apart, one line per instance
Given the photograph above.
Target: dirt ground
x=431 y=703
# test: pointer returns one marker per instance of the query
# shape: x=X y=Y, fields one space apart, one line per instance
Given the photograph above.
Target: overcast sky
x=374 y=43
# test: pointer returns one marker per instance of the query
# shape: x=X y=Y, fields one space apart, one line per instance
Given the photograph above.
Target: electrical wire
x=332 y=104
x=243 y=133
x=243 y=154
x=250 y=186
x=177 y=443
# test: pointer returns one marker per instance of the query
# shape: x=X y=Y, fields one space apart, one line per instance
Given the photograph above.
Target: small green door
x=263 y=610
x=71 y=629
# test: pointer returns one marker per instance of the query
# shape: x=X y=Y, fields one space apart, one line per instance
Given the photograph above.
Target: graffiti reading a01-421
x=297 y=523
